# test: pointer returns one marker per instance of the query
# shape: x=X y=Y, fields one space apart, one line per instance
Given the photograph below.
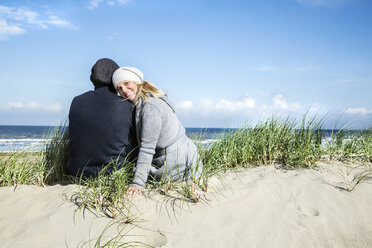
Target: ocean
x=17 y=138
x=33 y=138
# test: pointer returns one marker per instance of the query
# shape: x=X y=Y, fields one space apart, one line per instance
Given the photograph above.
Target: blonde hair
x=148 y=88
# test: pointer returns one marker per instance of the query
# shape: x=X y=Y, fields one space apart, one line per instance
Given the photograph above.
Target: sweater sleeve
x=150 y=131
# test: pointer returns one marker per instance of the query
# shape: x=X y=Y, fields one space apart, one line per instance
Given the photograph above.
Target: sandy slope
x=260 y=207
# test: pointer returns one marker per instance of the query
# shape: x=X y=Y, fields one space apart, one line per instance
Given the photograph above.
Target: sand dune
x=260 y=207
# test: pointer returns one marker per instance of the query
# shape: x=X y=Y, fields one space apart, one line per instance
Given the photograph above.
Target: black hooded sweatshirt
x=101 y=129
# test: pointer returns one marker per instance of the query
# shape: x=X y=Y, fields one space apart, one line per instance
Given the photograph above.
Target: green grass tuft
x=273 y=141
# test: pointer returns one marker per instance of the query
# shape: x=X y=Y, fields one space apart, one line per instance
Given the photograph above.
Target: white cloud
x=242 y=106
x=9 y=29
x=53 y=107
x=14 y=20
x=95 y=3
x=207 y=107
x=362 y=111
x=206 y=104
x=184 y=105
x=56 y=21
x=207 y=112
x=280 y=103
x=245 y=104
x=14 y=105
x=20 y=14
x=226 y=106
x=111 y=3
x=33 y=105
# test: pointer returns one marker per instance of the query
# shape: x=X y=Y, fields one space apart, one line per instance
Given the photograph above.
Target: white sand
x=261 y=207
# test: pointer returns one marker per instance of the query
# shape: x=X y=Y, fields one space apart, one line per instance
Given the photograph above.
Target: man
x=100 y=125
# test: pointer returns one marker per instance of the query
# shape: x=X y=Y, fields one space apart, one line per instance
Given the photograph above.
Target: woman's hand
x=133 y=190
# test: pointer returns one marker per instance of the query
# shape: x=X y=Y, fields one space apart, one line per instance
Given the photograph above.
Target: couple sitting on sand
x=105 y=128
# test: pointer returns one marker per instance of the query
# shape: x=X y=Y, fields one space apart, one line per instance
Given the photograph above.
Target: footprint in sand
x=302 y=213
x=308 y=211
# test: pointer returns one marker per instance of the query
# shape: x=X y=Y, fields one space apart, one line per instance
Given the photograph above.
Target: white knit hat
x=127 y=74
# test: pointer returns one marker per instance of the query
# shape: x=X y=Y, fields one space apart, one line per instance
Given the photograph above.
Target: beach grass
x=346 y=146
x=276 y=140
x=21 y=167
x=105 y=193
x=105 y=240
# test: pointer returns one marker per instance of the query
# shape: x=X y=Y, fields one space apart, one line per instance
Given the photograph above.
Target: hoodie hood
x=166 y=100
x=101 y=73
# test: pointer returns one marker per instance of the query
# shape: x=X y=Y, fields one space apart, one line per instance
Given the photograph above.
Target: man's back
x=100 y=130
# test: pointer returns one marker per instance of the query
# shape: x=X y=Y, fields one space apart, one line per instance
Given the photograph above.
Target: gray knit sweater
x=157 y=128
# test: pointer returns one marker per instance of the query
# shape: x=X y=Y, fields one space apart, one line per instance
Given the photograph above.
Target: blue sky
x=223 y=63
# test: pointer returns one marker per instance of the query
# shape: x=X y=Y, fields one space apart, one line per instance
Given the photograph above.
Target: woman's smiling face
x=127 y=90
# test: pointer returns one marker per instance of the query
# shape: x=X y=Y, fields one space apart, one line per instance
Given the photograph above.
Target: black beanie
x=102 y=72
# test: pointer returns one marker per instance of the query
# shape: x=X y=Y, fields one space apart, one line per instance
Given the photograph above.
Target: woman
x=164 y=149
